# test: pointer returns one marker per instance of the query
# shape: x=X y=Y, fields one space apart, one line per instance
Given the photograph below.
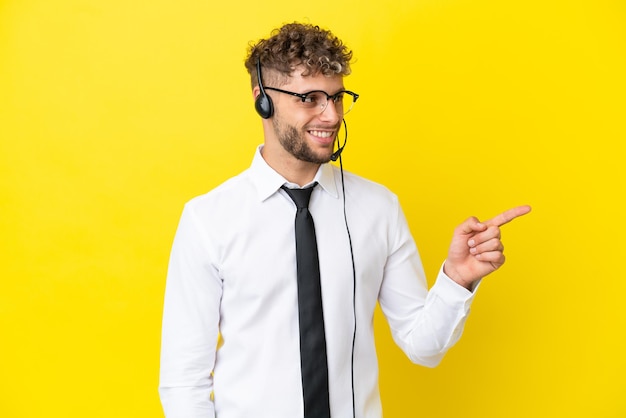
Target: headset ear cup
x=263 y=103
x=264 y=106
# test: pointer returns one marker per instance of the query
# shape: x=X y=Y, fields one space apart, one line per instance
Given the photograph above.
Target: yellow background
x=114 y=113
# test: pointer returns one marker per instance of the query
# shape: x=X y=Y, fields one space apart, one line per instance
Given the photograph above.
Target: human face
x=307 y=135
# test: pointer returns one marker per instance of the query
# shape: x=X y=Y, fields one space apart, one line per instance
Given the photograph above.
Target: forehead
x=298 y=83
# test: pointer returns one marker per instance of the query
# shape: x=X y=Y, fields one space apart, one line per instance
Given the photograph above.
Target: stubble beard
x=294 y=142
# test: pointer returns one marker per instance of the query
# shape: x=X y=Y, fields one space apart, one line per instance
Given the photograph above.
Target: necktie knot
x=300 y=197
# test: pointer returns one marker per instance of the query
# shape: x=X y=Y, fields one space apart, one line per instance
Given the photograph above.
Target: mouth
x=323 y=136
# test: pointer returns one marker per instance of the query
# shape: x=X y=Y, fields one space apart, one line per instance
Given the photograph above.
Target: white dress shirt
x=230 y=341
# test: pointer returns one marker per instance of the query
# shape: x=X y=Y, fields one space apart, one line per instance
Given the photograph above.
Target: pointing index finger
x=508 y=216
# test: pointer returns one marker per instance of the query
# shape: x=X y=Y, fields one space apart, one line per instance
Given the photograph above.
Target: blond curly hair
x=294 y=45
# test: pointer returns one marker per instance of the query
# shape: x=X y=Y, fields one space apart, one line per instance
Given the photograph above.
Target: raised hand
x=476 y=249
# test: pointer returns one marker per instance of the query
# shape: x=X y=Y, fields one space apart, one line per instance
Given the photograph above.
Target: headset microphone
x=337 y=153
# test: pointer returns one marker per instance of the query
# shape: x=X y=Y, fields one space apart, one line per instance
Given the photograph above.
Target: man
x=235 y=336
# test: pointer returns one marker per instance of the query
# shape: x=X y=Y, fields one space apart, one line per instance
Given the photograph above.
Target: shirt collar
x=267 y=181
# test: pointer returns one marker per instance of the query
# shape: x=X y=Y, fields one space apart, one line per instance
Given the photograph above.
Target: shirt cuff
x=452 y=293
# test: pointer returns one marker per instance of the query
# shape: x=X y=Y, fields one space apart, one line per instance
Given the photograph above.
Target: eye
x=314 y=98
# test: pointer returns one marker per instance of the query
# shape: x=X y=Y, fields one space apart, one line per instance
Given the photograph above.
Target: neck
x=293 y=170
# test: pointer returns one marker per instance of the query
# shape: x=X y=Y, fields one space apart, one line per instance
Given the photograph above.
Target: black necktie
x=312 y=337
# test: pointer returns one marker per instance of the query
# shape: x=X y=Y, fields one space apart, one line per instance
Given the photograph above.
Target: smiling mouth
x=322 y=134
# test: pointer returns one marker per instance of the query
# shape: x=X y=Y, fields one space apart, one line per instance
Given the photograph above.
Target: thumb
x=471 y=225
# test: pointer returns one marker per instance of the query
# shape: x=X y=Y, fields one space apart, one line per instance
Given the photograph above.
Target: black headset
x=263 y=103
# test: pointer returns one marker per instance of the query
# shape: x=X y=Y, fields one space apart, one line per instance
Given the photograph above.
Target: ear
x=256 y=91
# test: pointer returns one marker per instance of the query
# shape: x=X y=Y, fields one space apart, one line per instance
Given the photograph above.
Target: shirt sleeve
x=423 y=323
x=190 y=323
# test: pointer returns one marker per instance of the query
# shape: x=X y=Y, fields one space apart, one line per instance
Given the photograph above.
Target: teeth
x=321 y=134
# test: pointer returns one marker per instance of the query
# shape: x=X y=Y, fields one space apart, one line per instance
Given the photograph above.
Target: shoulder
x=361 y=189
x=231 y=193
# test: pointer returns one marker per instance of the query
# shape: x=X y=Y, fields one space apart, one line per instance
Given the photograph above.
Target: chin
x=309 y=156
